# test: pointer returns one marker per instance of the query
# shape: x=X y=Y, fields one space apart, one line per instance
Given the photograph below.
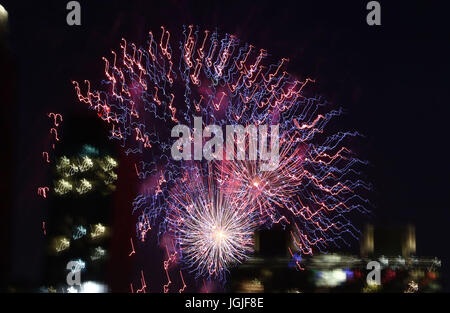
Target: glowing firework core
x=219 y=236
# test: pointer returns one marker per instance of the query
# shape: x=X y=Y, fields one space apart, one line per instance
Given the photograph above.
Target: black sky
x=392 y=81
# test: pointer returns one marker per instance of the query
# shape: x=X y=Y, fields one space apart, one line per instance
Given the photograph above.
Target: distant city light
x=82 y=174
x=84 y=186
x=63 y=187
x=80 y=265
x=99 y=253
x=79 y=232
x=89 y=287
x=331 y=278
x=98 y=230
x=93 y=287
x=61 y=244
x=3 y=15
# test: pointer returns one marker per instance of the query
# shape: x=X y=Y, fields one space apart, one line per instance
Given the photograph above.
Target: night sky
x=392 y=81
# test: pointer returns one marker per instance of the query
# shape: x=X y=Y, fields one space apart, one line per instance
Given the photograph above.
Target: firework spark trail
x=140 y=91
x=45 y=190
x=314 y=188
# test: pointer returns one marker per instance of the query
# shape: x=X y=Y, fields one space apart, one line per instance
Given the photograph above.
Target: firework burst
x=212 y=233
x=264 y=191
x=212 y=214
